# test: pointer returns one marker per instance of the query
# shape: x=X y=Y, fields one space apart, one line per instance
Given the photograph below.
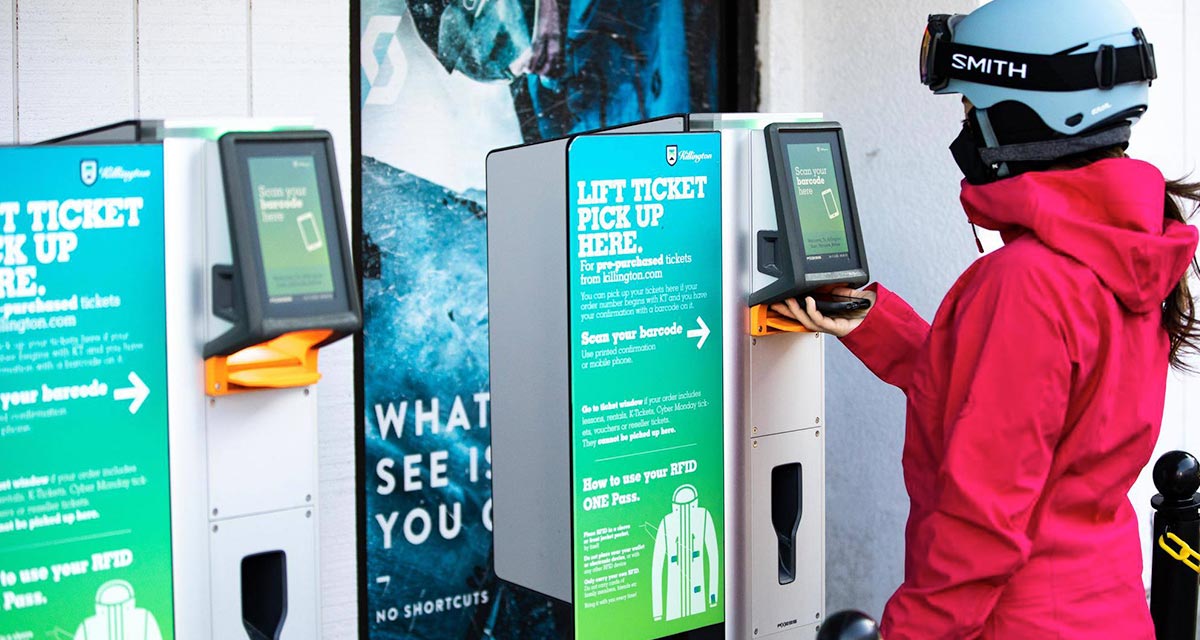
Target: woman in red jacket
x=1036 y=396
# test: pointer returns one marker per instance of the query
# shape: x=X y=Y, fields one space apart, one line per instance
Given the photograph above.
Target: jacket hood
x=1107 y=215
x=685 y=495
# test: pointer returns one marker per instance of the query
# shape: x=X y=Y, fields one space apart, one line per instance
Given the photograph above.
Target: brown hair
x=1179 y=309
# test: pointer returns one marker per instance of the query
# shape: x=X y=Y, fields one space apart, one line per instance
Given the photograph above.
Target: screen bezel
x=341 y=312
x=796 y=279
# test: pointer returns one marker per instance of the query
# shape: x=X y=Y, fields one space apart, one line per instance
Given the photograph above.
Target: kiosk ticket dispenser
x=168 y=464
x=658 y=460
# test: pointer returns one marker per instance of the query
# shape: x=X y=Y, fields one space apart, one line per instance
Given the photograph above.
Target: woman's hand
x=814 y=320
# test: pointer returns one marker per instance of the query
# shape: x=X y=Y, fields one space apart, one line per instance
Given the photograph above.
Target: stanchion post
x=1174 y=586
x=849 y=625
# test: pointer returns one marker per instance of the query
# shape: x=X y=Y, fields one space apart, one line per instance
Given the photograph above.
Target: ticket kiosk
x=657 y=450
x=177 y=280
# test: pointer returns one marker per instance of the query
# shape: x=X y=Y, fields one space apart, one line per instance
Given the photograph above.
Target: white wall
x=1162 y=138
x=67 y=66
x=856 y=60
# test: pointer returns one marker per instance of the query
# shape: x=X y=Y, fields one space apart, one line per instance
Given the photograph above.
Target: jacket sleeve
x=714 y=560
x=888 y=339
x=1010 y=374
x=656 y=570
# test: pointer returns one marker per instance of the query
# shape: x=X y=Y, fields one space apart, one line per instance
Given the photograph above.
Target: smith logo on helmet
x=991 y=66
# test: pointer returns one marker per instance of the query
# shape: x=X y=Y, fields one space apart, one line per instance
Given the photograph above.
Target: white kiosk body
x=777 y=414
x=249 y=483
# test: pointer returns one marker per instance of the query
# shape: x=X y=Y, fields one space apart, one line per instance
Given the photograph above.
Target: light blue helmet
x=1083 y=67
x=1058 y=28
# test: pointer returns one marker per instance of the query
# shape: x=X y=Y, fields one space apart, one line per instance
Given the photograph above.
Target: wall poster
x=437 y=85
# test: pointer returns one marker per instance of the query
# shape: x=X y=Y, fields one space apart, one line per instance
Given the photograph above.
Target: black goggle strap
x=1103 y=69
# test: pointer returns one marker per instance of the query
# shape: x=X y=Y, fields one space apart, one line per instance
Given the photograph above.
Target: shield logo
x=88 y=172
x=672 y=154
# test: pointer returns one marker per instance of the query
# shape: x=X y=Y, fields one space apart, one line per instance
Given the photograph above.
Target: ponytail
x=1179 y=309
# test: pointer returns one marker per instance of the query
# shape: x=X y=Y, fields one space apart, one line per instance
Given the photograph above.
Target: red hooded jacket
x=1034 y=401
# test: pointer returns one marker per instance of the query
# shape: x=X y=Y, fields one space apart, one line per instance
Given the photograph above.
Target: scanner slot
x=224 y=293
x=787 y=491
x=264 y=594
x=288 y=361
x=769 y=254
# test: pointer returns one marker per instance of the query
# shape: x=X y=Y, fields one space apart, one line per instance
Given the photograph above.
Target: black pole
x=849 y=625
x=1175 y=587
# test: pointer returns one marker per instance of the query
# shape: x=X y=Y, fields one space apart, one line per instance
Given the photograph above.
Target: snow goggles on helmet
x=943 y=60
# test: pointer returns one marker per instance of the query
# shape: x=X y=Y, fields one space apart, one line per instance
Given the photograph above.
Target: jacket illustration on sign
x=1034 y=401
x=118 y=617
x=686 y=539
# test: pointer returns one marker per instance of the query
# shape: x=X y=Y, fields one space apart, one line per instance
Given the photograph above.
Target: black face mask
x=965 y=150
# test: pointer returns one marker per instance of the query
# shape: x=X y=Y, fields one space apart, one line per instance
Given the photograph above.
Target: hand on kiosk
x=817 y=254
x=840 y=321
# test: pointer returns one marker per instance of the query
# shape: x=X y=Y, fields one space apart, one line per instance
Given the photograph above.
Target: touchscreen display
x=819 y=202
x=291 y=228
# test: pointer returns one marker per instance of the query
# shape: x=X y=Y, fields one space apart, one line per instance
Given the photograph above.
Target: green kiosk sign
x=646 y=385
x=85 y=527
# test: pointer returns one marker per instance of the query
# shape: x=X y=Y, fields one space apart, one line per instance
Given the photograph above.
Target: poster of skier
x=440 y=84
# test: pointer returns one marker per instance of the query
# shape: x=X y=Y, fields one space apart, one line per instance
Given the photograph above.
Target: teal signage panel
x=646 y=384
x=85 y=526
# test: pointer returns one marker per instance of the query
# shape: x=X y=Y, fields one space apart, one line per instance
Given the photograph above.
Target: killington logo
x=88 y=172
x=672 y=154
x=123 y=174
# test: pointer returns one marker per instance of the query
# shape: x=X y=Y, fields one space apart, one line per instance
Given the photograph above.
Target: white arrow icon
x=138 y=393
x=701 y=333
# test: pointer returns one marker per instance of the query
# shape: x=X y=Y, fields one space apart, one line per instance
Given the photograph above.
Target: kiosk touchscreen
x=819 y=243
x=289 y=272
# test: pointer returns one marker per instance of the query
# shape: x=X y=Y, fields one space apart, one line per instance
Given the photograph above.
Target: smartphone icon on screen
x=309 y=232
x=831 y=204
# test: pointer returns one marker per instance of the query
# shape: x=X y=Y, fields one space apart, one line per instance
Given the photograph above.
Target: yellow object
x=284 y=362
x=1184 y=554
x=764 y=322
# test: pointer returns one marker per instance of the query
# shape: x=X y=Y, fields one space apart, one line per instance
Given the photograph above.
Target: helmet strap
x=984 y=123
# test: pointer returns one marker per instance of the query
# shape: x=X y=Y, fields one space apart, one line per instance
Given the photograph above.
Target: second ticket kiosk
x=658 y=459
x=165 y=290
